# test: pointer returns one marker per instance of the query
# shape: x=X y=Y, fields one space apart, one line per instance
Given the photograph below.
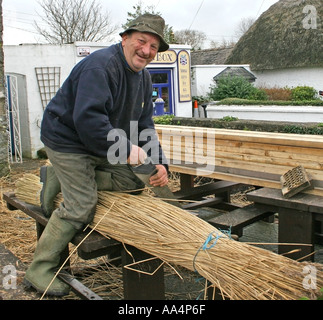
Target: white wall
x=23 y=59
x=292 y=77
x=301 y=114
x=203 y=77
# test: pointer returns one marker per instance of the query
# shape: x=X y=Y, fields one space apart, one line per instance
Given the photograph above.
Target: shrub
x=200 y=99
x=235 y=87
x=303 y=93
x=281 y=94
x=246 y=102
x=258 y=94
x=165 y=119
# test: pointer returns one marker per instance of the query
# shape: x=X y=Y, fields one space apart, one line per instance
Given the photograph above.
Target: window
x=162 y=87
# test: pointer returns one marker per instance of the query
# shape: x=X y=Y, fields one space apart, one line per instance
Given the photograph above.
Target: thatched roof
x=236 y=72
x=279 y=39
x=210 y=56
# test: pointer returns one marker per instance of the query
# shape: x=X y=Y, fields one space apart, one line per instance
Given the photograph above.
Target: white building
x=202 y=77
x=35 y=73
x=291 y=77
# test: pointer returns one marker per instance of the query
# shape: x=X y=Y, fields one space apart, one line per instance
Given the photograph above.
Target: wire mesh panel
x=12 y=101
x=48 y=79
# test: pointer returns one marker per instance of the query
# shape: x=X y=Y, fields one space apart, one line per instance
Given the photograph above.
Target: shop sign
x=184 y=76
x=83 y=51
x=166 y=57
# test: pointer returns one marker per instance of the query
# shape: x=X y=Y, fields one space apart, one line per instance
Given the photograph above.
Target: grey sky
x=217 y=18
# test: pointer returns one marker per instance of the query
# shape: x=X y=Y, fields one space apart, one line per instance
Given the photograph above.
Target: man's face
x=139 y=49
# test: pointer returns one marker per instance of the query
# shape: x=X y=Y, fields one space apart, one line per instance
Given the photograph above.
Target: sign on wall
x=166 y=57
x=184 y=76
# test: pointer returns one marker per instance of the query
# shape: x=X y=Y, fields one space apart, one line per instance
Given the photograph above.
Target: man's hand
x=160 y=179
x=137 y=156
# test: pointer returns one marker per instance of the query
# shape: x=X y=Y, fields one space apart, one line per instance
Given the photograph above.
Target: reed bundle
x=25 y=192
x=238 y=270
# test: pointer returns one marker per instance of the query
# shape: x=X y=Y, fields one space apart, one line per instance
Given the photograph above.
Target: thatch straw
x=279 y=38
x=27 y=194
x=239 y=270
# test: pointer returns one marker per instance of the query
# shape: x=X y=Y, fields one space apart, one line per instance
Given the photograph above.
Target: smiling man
x=105 y=94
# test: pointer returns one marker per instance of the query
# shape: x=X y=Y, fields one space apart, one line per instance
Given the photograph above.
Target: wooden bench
x=300 y=219
x=136 y=286
x=237 y=219
x=220 y=189
x=258 y=159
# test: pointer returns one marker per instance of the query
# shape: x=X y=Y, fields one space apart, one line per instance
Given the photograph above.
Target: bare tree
x=4 y=156
x=140 y=9
x=194 y=38
x=74 y=20
x=243 y=26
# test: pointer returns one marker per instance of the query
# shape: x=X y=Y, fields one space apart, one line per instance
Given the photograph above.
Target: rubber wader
x=54 y=239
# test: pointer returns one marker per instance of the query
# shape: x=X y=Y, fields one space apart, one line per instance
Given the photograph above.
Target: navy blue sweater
x=101 y=94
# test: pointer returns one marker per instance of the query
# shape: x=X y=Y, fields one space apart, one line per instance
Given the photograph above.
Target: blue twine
x=211 y=241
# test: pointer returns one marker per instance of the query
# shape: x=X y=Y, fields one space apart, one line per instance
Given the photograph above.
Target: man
x=91 y=132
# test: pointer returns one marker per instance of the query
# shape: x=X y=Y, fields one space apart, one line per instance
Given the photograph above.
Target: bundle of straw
x=238 y=270
x=28 y=189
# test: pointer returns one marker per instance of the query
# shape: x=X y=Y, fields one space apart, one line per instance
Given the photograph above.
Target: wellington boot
x=51 y=188
x=54 y=239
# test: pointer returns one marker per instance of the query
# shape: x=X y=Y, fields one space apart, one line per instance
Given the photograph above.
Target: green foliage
x=235 y=101
x=318 y=130
x=321 y=296
x=200 y=99
x=229 y=119
x=303 y=93
x=166 y=119
x=258 y=94
x=235 y=87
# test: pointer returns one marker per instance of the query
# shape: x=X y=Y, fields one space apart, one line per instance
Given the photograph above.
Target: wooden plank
x=254 y=166
x=301 y=201
x=245 y=147
x=95 y=245
x=296 y=226
x=236 y=178
x=186 y=182
x=209 y=202
x=81 y=290
x=205 y=190
x=227 y=153
x=252 y=136
x=240 y=218
x=223 y=176
x=31 y=210
x=261 y=154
